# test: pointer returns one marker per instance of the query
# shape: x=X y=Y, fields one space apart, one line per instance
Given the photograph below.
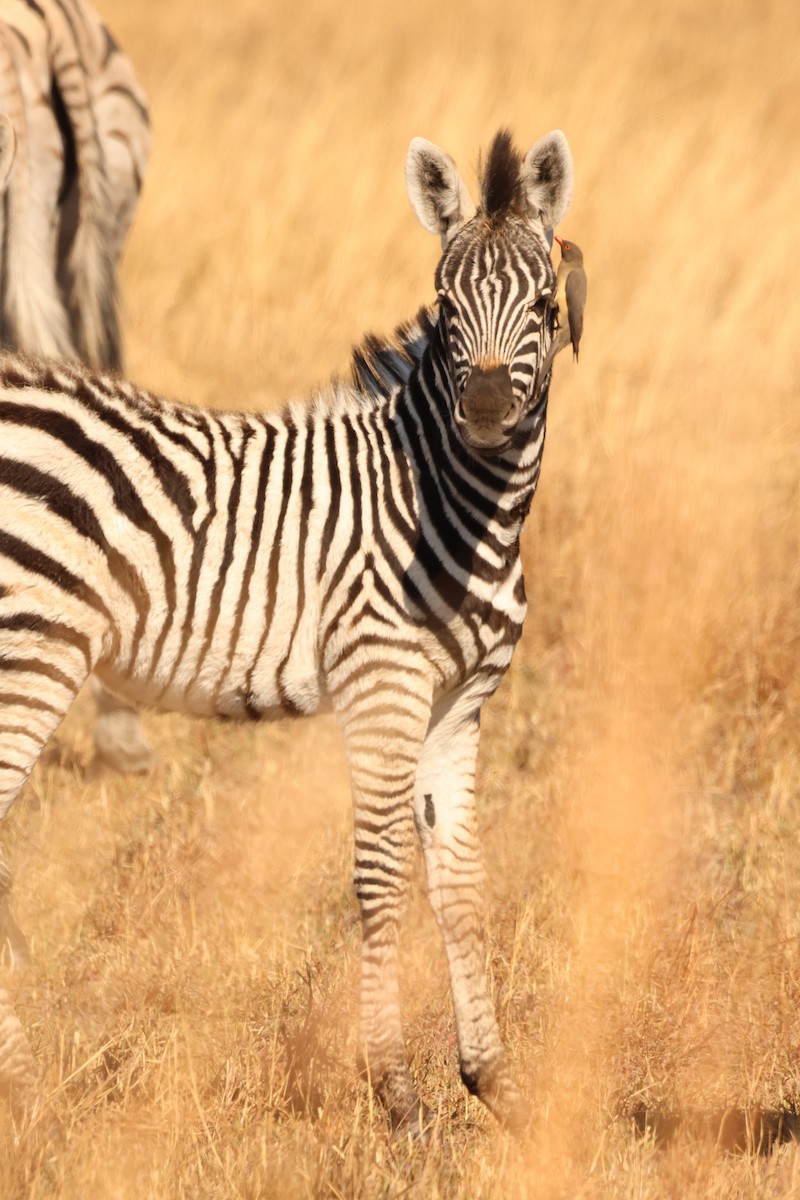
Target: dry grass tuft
x=193 y=994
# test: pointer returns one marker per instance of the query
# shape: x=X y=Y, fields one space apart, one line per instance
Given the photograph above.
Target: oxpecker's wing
x=575 y=292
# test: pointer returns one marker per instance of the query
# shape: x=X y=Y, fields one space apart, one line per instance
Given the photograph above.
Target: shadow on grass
x=737 y=1130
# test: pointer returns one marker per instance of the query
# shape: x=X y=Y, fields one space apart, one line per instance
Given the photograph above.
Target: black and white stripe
x=81 y=133
x=74 y=144
x=359 y=552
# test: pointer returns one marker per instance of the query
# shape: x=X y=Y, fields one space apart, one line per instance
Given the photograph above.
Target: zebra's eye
x=539 y=305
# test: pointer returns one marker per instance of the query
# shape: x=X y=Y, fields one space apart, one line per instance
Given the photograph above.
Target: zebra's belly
x=270 y=686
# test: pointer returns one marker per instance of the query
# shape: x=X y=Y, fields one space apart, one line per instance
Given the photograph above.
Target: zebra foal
x=74 y=145
x=359 y=552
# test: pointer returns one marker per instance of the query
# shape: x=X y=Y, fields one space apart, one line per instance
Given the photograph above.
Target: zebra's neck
x=408 y=376
x=492 y=495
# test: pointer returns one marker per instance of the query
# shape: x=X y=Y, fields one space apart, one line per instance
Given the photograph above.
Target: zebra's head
x=495 y=280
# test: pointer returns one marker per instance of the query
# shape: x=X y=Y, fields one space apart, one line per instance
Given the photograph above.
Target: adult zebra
x=75 y=127
x=362 y=550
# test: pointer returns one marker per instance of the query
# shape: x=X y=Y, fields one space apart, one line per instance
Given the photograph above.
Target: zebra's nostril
x=511 y=418
x=460 y=415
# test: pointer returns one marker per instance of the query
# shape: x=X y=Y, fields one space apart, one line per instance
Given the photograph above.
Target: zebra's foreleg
x=444 y=810
x=383 y=730
x=119 y=740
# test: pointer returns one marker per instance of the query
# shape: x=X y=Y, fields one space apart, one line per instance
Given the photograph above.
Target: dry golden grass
x=193 y=995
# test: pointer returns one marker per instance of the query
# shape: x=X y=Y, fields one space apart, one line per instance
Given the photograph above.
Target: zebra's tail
x=33 y=317
x=87 y=253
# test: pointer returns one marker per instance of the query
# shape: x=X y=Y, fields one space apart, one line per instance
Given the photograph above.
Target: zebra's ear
x=547 y=177
x=8 y=148
x=437 y=192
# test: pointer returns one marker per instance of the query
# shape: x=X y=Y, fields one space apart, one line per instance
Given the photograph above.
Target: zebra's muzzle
x=487 y=411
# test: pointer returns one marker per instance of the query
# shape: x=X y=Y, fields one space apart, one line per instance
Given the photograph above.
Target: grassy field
x=193 y=999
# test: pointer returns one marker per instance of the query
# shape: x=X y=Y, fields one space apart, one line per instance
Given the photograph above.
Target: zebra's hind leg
x=383 y=726
x=19 y=1077
x=119 y=740
x=43 y=666
x=444 y=810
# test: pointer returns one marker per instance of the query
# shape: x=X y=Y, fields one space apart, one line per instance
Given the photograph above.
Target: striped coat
x=74 y=143
x=358 y=552
x=78 y=126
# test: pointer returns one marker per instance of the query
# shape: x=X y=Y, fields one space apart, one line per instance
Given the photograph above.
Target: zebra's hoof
x=498 y=1090
x=394 y=1088
x=415 y=1122
x=516 y=1117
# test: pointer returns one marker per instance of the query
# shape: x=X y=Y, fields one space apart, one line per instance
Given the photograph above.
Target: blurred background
x=639 y=773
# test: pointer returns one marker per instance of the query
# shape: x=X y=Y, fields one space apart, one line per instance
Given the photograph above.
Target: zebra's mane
x=502 y=192
x=381 y=365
